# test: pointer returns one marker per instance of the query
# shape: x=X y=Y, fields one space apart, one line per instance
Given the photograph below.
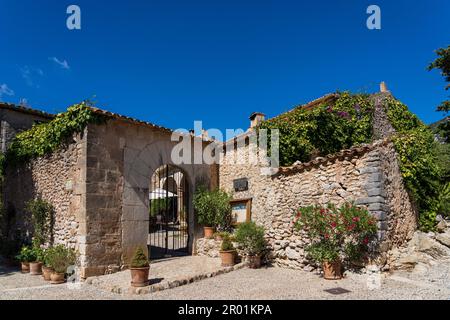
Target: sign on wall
x=240 y=184
x=240 y=211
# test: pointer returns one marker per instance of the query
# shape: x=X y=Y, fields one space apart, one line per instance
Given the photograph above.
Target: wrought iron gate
x=169 y=213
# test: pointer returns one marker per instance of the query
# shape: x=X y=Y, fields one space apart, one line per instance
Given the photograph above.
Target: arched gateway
x=169 y=213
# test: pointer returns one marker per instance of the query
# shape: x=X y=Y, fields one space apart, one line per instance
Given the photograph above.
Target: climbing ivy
x=325 y=129
x=417 y=153
x=45 y=138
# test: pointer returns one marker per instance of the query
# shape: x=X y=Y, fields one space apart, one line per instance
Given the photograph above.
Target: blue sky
x=173 y=62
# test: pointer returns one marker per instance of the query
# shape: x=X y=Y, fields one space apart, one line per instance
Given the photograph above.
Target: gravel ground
x=265 y=283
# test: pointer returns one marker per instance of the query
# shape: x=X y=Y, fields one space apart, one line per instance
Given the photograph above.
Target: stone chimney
x=256 y=118
x=383 y=87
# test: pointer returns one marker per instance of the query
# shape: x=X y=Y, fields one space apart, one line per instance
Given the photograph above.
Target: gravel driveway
x=265 y=283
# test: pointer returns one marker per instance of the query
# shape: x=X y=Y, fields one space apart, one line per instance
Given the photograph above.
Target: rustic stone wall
x=57 y=178
x=14 y=121
x=121 y=158
x=368 y=176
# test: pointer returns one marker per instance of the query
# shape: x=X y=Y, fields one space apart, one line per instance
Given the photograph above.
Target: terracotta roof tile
x=10 y=106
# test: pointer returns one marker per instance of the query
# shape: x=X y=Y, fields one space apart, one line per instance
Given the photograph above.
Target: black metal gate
x=169 y=213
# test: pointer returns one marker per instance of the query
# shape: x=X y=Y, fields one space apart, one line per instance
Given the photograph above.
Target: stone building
x=99 y=185
x=104 y=183
x=14 y=119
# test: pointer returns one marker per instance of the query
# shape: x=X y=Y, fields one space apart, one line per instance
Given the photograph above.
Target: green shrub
x=336 y=231
x=213 y=208
x=139 y=260
x=419 y=164
x=41 y=217
x=26 y=254
x=325 y=129
x=158 y=206
x=250 y=238
x=45 y=138
x=60 y=258
x=227 y=244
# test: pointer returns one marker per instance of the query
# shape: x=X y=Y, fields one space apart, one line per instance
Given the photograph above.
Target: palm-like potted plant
x=60 y=259
x=213 y=210
x=227 y=251
x=337 y=234
x=250 y=239
x=139 y=269
x=25 y=256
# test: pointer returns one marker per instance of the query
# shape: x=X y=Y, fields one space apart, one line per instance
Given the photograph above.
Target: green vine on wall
x=416 y=148
x=325 y=129
x=47 y=137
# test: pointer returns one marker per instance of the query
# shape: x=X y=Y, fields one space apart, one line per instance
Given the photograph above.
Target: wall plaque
x=240 y=184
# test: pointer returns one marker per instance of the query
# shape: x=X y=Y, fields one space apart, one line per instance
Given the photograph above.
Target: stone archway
x=140 y=166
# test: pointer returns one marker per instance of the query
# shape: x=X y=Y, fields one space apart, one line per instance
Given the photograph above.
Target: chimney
x=256 y=118
x=383 y=87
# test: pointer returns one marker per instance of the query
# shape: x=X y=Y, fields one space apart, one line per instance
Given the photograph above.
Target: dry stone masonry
x=368 y=175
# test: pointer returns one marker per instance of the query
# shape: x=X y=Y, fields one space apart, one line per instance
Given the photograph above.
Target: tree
x=443 y=63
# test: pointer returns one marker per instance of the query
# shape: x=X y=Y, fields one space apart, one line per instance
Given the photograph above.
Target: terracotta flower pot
x=25 y=267
x=57 y=278
x=36 y=268
x=139 y=277
x=209 y=232
x=46 y=273
x=332 y=271
x=227 y=258
x=254 y=262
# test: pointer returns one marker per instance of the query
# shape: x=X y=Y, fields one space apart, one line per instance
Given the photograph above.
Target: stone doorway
x=168 y=234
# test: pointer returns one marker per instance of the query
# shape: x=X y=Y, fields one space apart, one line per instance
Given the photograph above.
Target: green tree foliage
x=324 y=129
x=213 y=208
x=442 y=62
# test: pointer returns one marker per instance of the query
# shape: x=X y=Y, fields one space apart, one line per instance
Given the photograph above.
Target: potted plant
x=25 y=256
x=59 y=259
x=213 y=210
x=139 y=269
x=36 y=264
x=250 y=239
x=336 y=234
x=46 y=267
x=227 y=251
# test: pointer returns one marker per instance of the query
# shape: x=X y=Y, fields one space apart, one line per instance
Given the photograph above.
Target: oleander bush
x=343 y=232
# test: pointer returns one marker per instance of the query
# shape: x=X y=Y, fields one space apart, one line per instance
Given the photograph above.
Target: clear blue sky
x=173 y=62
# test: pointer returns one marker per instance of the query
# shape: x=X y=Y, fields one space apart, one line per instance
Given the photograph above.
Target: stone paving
x=165 y=274
x=265 y=283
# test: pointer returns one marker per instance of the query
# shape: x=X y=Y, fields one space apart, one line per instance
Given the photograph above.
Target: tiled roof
x=330 y=97
x=127 y=119
x=350 y=153
x=10 y=106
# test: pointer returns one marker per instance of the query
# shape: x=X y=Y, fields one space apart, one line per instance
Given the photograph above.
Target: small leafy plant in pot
x=139 y=269
x=337 y=235
x=36 y=264
x=227 y=251
x=250 y=239
x=46 y=267
x=60 y=259
x=25 y=256
x=213 y=210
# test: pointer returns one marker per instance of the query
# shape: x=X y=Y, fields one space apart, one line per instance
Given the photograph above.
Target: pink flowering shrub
x=336 y=232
